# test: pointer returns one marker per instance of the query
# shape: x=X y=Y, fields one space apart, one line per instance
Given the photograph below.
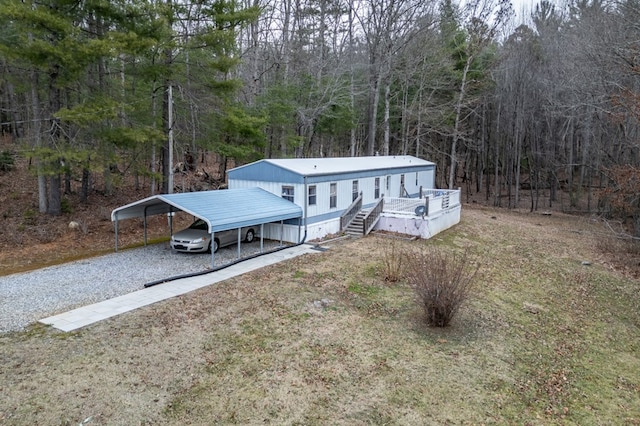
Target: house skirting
x=423 y=227
x=293 y=234
x=409 y=224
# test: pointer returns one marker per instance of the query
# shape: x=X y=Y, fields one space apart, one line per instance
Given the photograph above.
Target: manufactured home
x=326 y=188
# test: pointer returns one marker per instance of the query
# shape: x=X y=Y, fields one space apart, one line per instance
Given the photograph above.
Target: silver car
x=196 y=238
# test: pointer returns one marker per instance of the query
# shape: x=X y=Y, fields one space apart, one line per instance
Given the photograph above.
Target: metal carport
x=221 y=210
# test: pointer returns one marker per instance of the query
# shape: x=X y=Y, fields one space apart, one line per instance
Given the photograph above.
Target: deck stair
x=357 y=221
x=356 y=227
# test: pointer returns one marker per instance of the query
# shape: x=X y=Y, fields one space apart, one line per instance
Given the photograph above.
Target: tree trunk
x=67 y=182
x=352 y=89
x=387 y=108
x=372 y=116
x=167 y=100
x=15 y=116
x=55 y=199
x=456 y=129
x=84 y=190
x=37 y=127
x=55 y=103
x=496 y=160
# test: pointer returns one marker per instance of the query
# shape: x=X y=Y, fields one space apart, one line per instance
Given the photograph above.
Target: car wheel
x=216 y=245
x=249 y=236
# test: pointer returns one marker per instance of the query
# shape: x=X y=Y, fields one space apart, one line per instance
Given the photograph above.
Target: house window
x=376 y=189
x=287 y=192
x=333 y=195
x=388 y=183
x=416 y=178
x=354 y=190
x=402 y=181
x=312 y=195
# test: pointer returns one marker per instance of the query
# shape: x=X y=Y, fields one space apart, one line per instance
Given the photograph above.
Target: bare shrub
x=443 y=281
x=392 y=258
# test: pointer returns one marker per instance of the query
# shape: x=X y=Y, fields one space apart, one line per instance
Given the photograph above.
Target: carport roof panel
x=222 y=209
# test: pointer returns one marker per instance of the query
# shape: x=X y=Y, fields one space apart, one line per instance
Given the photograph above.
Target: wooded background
x=506 y=109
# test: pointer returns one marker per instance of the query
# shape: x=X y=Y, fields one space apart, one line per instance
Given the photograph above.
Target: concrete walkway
x=80 y=317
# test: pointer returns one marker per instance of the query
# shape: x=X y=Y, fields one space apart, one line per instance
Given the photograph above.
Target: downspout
x=306 y=202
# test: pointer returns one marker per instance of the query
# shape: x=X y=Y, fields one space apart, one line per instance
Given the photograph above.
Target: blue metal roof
x=222 y=209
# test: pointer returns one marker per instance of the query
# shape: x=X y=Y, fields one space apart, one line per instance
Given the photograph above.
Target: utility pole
x=170 y=135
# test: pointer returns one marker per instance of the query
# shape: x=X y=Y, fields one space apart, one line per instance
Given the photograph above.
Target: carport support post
x=116 y=215
x=213 y=251
x=170 y=222
x=281 y=232
x=239 y=237
x=261 y=237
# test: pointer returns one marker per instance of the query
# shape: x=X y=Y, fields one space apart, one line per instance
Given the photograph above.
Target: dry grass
x=548 y=341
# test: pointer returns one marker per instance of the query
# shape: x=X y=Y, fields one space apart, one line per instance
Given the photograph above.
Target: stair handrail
x=371 y=218
x=350 y=212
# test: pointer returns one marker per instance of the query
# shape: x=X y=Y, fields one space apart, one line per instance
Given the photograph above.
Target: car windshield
x=199 y=224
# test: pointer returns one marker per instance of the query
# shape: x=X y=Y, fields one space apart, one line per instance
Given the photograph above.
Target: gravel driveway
x=30 y=296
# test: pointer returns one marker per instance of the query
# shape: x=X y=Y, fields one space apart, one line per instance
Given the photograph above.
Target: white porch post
x=239 y=237
x=261 y=237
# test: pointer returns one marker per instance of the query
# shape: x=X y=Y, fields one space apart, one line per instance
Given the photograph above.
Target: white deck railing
x=434 y=201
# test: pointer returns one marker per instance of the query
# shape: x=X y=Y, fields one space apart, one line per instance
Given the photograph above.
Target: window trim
x=311 y=196
x=285 y=193
x=333 y=195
